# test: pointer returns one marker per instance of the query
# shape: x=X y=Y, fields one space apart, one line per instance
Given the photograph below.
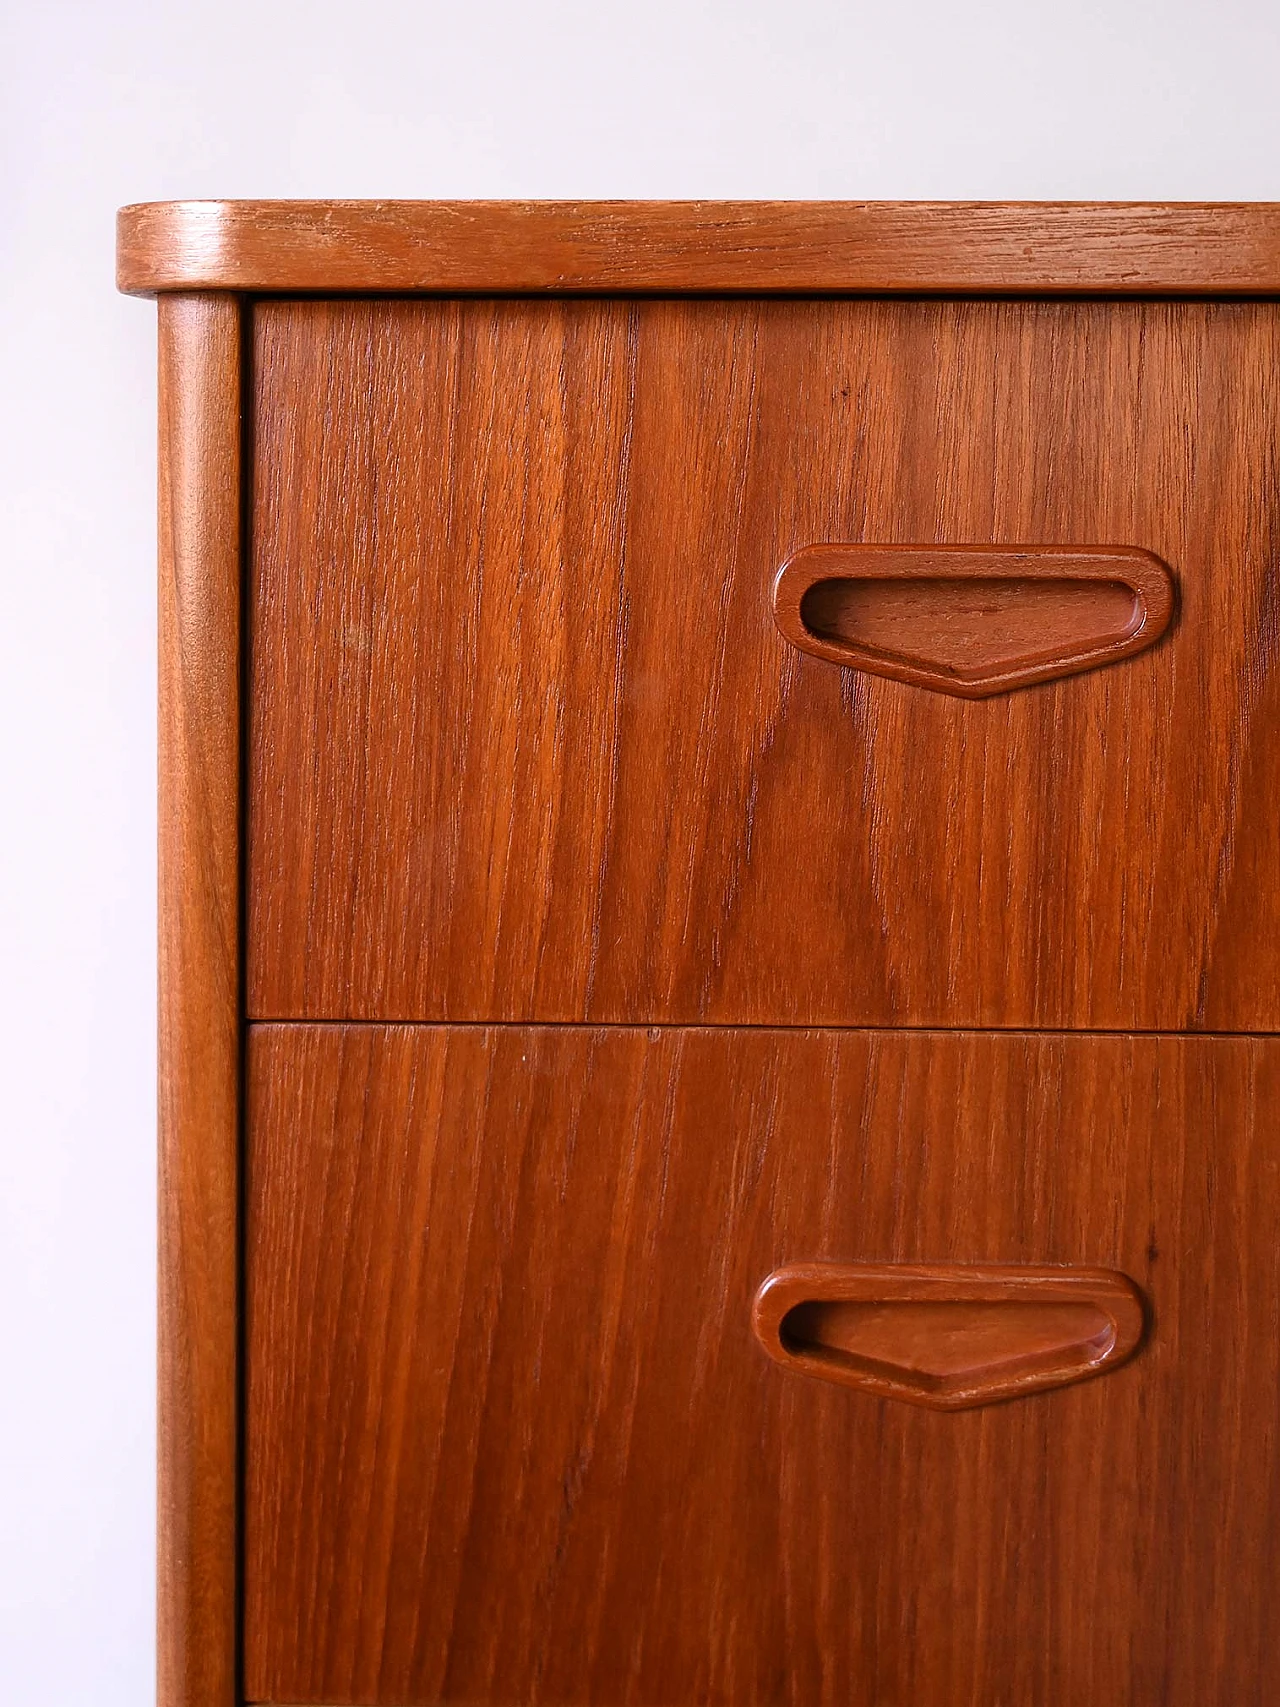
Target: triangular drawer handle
x=948 y=1336
x=973 y=620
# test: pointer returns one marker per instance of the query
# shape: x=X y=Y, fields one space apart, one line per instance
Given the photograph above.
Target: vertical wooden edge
x=200 y=382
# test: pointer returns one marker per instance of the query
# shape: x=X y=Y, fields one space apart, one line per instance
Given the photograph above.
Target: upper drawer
x=526 y=741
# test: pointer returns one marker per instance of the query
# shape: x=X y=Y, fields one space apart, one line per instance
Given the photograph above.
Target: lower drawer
x=511 y=1436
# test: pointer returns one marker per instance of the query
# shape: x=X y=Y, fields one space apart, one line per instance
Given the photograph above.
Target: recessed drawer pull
x=948 y=1336
x=972 y=620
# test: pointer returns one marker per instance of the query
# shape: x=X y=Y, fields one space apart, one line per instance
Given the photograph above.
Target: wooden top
x=1040 y=248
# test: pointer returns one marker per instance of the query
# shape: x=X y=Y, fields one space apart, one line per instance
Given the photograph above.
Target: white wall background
x=108 y=101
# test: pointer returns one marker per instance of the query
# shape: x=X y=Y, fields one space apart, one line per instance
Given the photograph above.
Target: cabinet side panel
x=199 y=992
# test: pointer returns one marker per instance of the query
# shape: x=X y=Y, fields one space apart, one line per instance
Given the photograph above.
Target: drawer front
x=512 y=1436
x=529 y=744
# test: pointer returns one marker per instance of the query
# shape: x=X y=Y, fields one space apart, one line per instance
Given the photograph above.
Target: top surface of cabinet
x=1038 y=248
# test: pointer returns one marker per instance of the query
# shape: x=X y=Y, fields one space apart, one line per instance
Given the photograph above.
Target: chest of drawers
x=720 y=953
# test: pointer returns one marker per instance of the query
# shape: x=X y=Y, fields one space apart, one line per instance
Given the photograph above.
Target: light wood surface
x=528 y=744
x=1049 y=248
x=511 y=1437
x=199 y=994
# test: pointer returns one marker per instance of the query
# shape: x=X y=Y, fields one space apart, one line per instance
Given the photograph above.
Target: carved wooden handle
x=972 y=620
x=948 y=1336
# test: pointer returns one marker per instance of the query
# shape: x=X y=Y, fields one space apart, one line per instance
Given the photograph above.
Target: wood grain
x=1048 y=248
x=528 y=745
x=199 y=997
x=511 y=1438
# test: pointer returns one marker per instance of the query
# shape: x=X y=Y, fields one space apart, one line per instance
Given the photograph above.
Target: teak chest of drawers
x=720 y=953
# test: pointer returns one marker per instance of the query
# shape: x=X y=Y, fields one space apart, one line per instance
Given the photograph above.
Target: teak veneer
x=528 y=744
x=511 y=1435
x=719 y=953
x=200 y=995
x=489 y=248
